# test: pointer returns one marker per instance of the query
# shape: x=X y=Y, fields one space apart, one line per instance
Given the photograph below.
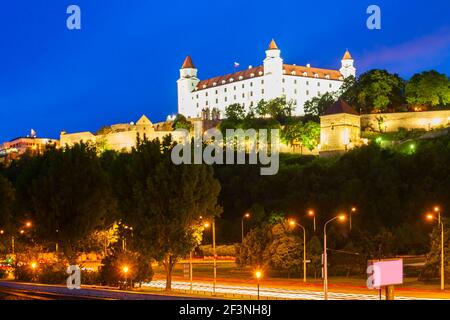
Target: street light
x=33 y=267
x=214 y=252
x=341 y=218
x=293 y=223
x=352 y=210
x=28 y=224
x=431 y=217
x=312 y=214
x=247 y=215
x=125 y=270
x=258 y=275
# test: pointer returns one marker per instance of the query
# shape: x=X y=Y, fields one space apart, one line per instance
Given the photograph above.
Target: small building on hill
x=340 y=128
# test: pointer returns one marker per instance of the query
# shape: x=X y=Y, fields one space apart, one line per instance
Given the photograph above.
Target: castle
x=272 y=79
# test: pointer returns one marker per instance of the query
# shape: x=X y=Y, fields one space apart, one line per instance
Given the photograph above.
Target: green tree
x=6 y=203
x=428 y=88
x=278 y=109
x=251 y=252
x=433 y=258
x=310 y=135
x=285 y=251
x=235 y=112
x=68 y=196
x=378 y=90
x=181 y=122
x=163 y=201
x=317 y=105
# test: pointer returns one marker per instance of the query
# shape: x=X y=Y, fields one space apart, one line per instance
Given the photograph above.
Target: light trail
x=295 y=294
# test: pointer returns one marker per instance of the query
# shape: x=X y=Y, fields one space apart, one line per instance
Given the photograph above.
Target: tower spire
x=188 y=64
x=273 y=45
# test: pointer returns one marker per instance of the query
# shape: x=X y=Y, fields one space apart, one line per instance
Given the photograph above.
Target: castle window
x=251 y=93
x=251 y=104
x=251 y=84
x=217 y=91
x=225 y=90
x=295 y=91
x=307 y=83
x=197 y=96
x=330 y=85
x=243 y=86
x=217 y=101
x=206 y=93
x=197 y=104
x=318 y=84
x=225 y=99
x=282 y=90
x=262 y=91
x=284 y=80
x=243 y=95
x=206 y=102
x=307 y=92
x=262 y=81
x=234 y=88
x=234 y=97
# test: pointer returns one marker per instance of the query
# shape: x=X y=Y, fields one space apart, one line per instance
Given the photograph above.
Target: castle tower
x=347 y=67
x=340 y=128
x=273 y=72
x=186 y=84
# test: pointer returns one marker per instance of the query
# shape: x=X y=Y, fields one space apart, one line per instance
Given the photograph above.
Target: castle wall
x=389 y=122
x=339 y=132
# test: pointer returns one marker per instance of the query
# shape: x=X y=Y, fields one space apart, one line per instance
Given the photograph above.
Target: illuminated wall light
x=345 y=136
x=436 y=121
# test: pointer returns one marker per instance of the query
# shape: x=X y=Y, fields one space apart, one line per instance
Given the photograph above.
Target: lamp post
x=352 y=210
x=214 y=253
x=441 y=225
x=247 y=215
x=341 y=217
x=313 y=215
x=258 y=275
x=292 y=223
x=125 y=270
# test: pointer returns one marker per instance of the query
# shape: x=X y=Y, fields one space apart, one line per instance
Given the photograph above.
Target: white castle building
x=273 y=79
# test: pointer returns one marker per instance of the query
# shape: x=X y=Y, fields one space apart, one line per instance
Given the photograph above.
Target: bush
x=54 y=273
x=140 y=269
x=224 y=250
x=90 y=277
x=23 y=272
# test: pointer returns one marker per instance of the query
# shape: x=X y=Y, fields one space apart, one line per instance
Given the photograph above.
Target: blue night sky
x=125 y=60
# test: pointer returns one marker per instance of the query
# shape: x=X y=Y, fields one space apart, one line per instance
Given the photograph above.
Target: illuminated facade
x=16 y=148
x=340 y=128
x=272 y=79
x=123 y=136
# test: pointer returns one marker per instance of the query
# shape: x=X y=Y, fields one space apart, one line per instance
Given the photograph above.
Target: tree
x=310 y=135
x=428 y=88
x=181 y=122
x=251 y=252
x=6 y=203
x=285 y=251
x=317 y=105
x=278 y=109
x=235 y=112
x=314 y=253
x=163 y=201
x=68 y=195
x=378 y=90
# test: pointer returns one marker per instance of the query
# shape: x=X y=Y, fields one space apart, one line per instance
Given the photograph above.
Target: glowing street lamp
x=246 y=216
x=341 y=218
x=258 y=276
x=214 y=252
x=431 y=217
x=352 y=210
x=313 y=215
x=125 y=271
x=28 y=224
x=293 y=223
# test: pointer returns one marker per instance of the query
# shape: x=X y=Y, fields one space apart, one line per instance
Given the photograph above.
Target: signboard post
x=385 y=273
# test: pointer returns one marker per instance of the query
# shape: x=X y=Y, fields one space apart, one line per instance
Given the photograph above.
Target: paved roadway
x=272 y=292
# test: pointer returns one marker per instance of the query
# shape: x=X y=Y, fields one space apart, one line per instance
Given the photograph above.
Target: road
x=272 y=293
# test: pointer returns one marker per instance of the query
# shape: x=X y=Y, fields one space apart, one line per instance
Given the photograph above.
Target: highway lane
x=297 y=294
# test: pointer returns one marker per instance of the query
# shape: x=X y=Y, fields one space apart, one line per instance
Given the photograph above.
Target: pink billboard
x=384 y=273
